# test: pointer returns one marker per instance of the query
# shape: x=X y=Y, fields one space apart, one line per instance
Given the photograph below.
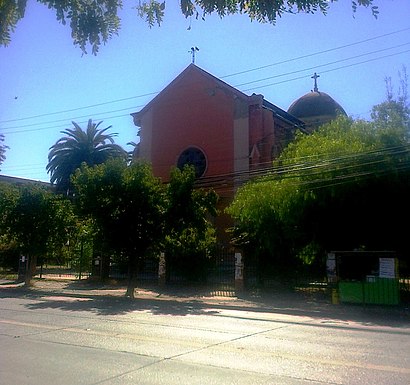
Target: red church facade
x=225 y=133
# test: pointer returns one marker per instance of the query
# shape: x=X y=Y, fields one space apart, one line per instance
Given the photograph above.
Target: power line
x=298 y=167
x=65 y=120
x=74 y=119
x=79 y=108
x=324 y=65
x=315 y=53
x=229 y=75
x=19 y=128
x=327 y=71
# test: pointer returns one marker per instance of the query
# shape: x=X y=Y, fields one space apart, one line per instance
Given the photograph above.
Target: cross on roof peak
x=315 y=76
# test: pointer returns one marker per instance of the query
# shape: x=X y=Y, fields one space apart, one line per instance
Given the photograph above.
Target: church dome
x=316 y=108
x=314 y=104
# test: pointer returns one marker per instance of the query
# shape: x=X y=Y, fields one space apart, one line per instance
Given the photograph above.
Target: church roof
x=283 y=114
x=315 y=103
x=191 y=68
x=221 y=84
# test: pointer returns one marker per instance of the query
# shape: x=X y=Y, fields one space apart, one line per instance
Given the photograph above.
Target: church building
x=227 y=135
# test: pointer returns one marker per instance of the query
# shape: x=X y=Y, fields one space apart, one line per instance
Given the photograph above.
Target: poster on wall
x=387 y=267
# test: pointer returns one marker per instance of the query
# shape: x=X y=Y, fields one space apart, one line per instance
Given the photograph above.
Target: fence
x=147 y=272
x=218 y=276
x=61 y=272
x=221 y=272
x=217 y=271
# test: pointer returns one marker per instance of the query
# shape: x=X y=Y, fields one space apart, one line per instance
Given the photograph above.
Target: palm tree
x=92 y=147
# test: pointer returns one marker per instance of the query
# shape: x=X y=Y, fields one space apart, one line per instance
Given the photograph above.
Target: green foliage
x=259 y=10
x=342 y=187
x=80 y=249
x=395 y=111
x=11 y=11
x=153 y=12
x=91 y=147
x=35 y=220
x=9 y=254
x=95 y=22
x=126 y=204
x=92 y=22
x=189 y=234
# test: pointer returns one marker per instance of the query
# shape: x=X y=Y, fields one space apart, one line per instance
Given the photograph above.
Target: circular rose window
x=195 y=157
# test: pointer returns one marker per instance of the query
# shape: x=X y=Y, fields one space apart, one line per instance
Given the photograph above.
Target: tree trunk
x=105 y=266
x=132 y=277
x=32 y=265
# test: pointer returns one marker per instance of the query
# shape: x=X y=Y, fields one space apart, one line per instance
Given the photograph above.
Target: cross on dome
x=315 y=76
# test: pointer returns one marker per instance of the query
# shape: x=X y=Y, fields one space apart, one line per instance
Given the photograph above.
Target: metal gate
x=221 y=272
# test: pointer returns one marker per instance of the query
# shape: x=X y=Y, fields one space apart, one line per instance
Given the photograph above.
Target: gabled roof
x=183 y=74
x=192 y=67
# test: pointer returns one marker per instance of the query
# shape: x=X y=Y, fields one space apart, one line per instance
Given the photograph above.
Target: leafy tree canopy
x=189 y=234
x=92 y=22
x=92 y=146
x=127 y=205
x=342 y=187
x=395 y=110
x=95 y=22
x=36 y=219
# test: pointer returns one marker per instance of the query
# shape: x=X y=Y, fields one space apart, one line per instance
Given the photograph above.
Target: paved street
x=77 y=337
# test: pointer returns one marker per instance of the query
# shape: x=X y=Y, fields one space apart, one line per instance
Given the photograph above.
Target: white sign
x=387 y=268
x=331 y=266
x=238 y=266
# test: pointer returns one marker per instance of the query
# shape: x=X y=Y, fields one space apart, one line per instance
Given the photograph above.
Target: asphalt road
x=63 y=338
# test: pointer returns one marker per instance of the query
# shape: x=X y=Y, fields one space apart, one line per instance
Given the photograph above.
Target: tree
x=189 y=234
x=92 y=147
x=395 y=110
x=3 y=149
x=91 y=22
x=36 y=220
x=127 y=205
x=342 y=187
x=95 y=22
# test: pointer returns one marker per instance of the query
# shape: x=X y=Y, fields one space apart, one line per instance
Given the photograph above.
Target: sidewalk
x=118 y=289
x=284 y=302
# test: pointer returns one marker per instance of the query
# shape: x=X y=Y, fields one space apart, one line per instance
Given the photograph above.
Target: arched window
x=195 y=157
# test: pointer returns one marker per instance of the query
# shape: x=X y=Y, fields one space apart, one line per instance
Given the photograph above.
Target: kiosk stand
x=366 y=277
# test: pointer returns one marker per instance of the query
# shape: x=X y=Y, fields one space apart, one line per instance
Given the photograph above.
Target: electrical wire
x=314 y=54
x=239 y=85
x=78 y=108
x=154 y=93
x=327 y=71
x=324 y=65
x=65 y=120
x=229 y=75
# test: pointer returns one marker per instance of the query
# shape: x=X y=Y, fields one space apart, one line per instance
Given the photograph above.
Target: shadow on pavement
x=107 y=300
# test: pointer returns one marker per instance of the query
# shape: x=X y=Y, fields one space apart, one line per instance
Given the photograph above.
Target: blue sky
x=46 y=82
